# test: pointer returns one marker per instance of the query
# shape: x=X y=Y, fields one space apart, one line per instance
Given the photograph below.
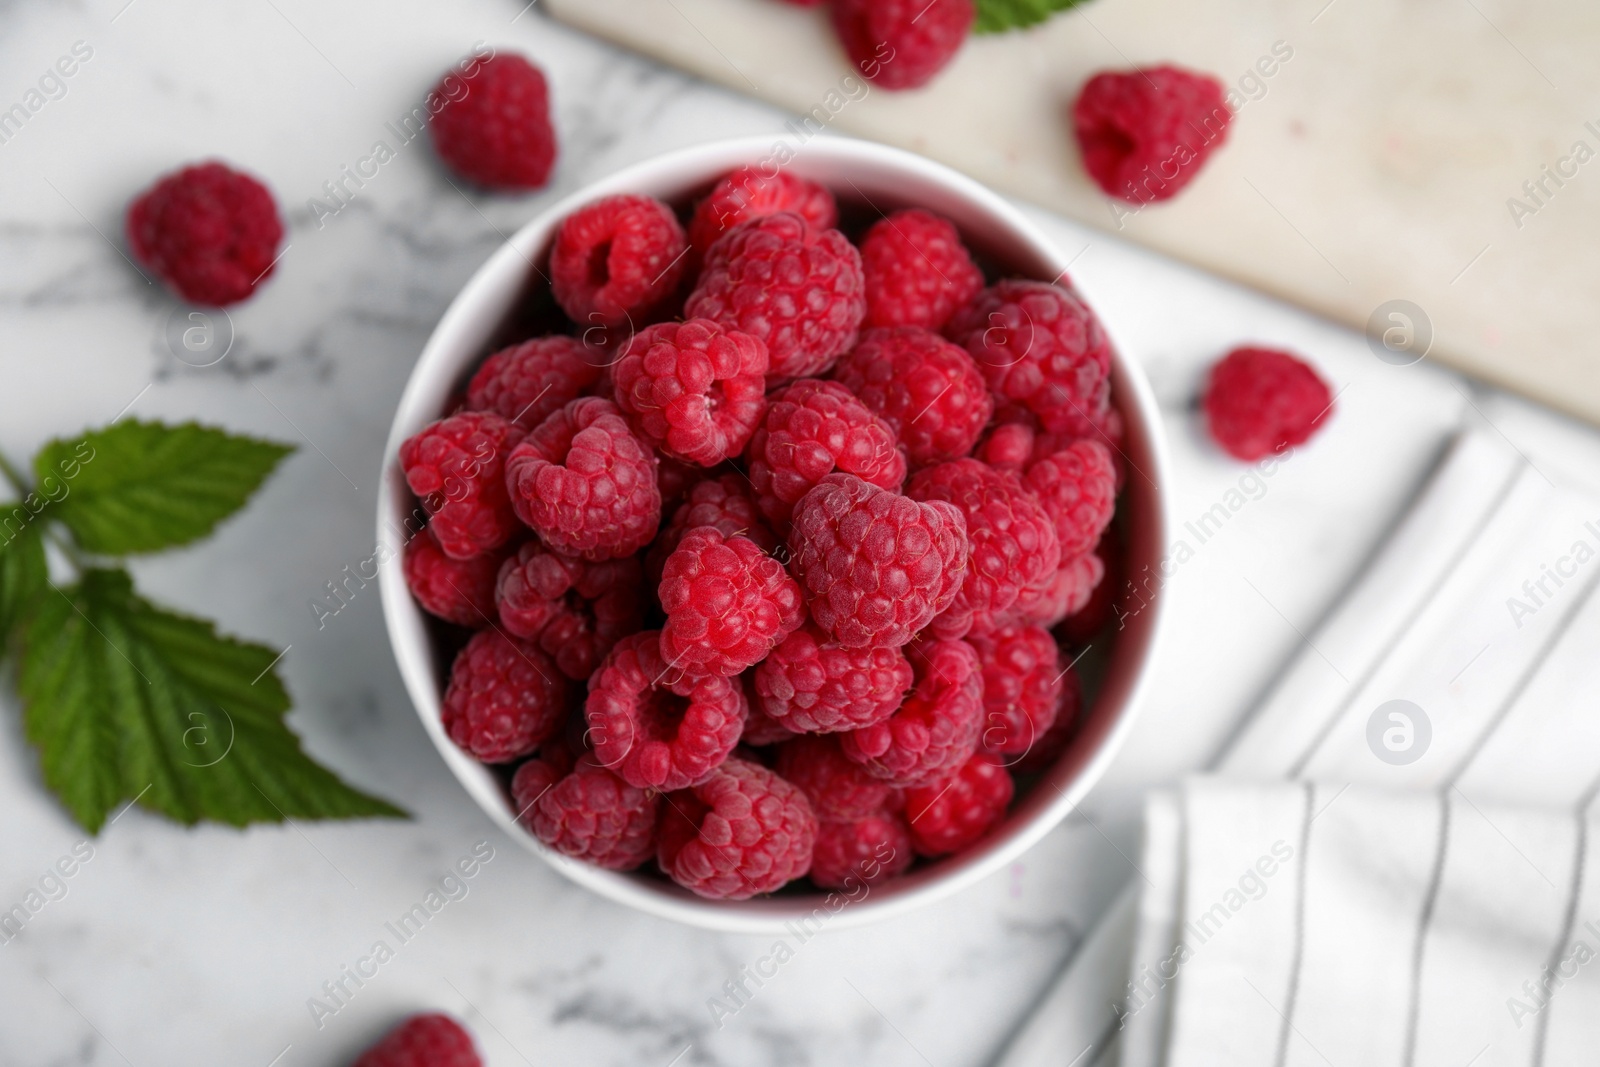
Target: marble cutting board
x=1425 y=151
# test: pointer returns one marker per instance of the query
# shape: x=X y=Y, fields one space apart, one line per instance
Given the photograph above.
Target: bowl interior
x=874 y=179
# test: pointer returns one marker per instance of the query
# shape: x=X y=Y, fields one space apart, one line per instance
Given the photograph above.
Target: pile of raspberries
x=763 y=553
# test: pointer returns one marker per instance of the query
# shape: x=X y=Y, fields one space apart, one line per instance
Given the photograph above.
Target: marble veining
x=204 y=946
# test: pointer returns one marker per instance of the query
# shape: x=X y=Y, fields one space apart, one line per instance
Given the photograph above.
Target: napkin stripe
x=1298 y=953
x=1419 y=944
x=1531 y=671
x=1479 y=524
x=1568 y=921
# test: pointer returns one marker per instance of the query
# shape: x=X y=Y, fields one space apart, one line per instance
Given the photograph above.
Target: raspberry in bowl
x=801 y=546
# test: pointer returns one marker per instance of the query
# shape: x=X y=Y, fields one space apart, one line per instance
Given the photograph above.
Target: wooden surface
x=1377 y=162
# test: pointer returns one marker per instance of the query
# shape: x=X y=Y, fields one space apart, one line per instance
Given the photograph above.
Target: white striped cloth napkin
x=1356 y=888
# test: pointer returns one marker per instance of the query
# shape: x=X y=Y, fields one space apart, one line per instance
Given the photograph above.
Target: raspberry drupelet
x=727 y=603
x=655 y=727
x=585 y=483
x=876 y=566
x=1023 y=682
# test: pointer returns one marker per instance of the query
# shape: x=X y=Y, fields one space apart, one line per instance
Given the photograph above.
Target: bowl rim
x=482 y=305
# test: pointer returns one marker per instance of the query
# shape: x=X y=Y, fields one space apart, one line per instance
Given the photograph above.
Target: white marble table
x=202 y=946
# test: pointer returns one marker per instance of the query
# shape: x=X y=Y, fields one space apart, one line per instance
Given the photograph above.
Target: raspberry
x=1022 y=685
x=901 y=44
x=1262 y=400
x=456 y=466
x=585 y=484
x=926 y=388
x=591 y=814
x=654 y=727
x=917 y=271
x=1078 y=488
x=865 y=851
x=617 y=261
x=953 y=814
x=1011 y=541
x=837 y=786
x=504 y=697
x=693 y=389
x=1039 y=346
x=1056 y=740
x=796 y=287
x=1083 y=625
x=430 y=1040
x=748 y=193
x=529 y=382
x=1145 y=134
x=727 y=603
x=1009 y=447
x=456 y=590
x=877 y=566
x=723 y=502
x=209 y=232
x=937 y=728
x=740 y=832
x=812 y=429
x=810 y=684
x=1067 y=593
x=498 y=132
x=575 y=610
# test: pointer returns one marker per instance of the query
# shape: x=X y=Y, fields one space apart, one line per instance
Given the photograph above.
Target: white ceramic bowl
x=883 y=179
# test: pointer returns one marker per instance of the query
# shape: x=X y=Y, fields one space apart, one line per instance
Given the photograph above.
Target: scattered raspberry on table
x=209 y=232
x=1145 y=134
x=1264 y=400
x=431 y=1040
x=493 y=126
x=901 y=44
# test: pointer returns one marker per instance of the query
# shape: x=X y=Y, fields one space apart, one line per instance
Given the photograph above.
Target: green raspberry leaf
x=145 y=486
x=24 y=574
x=127 y=701
x=997 y=16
